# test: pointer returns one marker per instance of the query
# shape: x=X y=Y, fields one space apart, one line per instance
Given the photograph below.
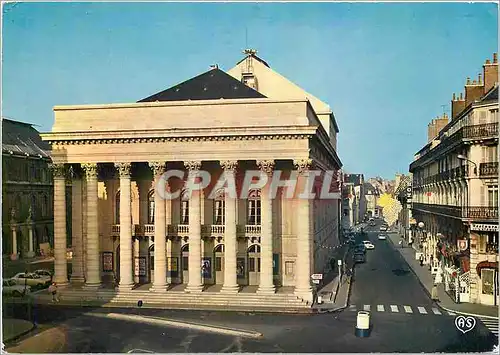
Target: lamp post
x=421 y=226
x=463 y=157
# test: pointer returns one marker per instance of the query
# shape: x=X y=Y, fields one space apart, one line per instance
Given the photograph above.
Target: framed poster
x=107 y=261
x=142 y=266
x=173 y=267
x=276 y=264
x=240 y=268
x=206 y=268
x=136 y=266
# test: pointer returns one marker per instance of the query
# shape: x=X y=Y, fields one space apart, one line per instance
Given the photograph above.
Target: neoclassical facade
x=122 y=227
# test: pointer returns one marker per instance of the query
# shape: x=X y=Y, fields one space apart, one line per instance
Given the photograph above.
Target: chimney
x=435 y=126
x=473 y=91
x=431 y=131
x=457 y=105
x=490 y=73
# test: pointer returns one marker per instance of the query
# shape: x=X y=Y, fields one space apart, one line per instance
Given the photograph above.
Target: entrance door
x=219 y=264
x=185 y=263
x=254 y=265
x=117 y=273
x=151 y=259
x=489 y=290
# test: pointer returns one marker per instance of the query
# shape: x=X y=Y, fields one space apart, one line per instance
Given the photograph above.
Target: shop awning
x=486 y=265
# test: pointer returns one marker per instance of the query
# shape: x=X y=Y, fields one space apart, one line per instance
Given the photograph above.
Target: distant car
x=11 y=288
x=382 y=237
x=31 y=279
x=383 y=228
x=359 y=258
x=360 y=248
x=42 y=272
x=368 y=244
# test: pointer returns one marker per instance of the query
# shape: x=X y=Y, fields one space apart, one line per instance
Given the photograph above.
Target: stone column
x=195 y=281
x=29 y=221
x=60 y=263
x=160 y=281
x=143 y=186
x=77 y=275
x=126 y=278
x=303 y=287
x=266 y=284
x=93 y=243
x=13 y=226
x=230 y=238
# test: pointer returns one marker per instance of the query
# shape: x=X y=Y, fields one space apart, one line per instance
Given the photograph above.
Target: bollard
x=362 y=324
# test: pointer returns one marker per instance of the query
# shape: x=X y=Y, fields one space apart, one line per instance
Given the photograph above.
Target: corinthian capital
x=229 y=165
x=303 y=165
x=123 y=169
x=90 y=169
x=193 y=165
x=58 y=170
x=266 y=166
x=158 y=167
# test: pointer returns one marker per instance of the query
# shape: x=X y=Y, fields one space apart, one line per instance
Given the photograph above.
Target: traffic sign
x=339 y=262
x=315 y=281
x=317 y=276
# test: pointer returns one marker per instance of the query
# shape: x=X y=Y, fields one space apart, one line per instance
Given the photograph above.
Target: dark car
x=359 y=258
x=360 y=247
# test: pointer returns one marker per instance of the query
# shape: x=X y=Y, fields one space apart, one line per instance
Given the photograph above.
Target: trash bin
x=362 y=324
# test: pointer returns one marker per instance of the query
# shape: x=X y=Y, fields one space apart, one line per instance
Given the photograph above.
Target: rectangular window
x=218 y=263
x=492 y=196
x=482 y=243
x=289 y=268
x=185 y=212
x=493 y=116
x=254 y=212
x=185 y=263
x=219 y=212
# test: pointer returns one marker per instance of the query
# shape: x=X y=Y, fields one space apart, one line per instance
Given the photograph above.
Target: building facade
x=248 y=119
x=371 y=197
x=455 y=193
x=353 y=200
x=27 y=190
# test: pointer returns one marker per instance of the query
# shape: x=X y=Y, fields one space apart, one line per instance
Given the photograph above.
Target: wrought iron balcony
x=488 y=169
x=466 y=212
x=481 y=131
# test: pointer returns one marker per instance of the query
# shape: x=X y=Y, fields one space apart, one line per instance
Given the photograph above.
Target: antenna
x=246 y=37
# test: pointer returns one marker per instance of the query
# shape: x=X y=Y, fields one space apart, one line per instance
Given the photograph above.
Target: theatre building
x=203 y=242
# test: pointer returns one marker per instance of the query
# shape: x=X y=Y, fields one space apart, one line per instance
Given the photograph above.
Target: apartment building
x=455 y=192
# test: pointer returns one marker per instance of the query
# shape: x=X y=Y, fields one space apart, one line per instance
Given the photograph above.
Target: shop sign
x=484 y=227
x=462 y=244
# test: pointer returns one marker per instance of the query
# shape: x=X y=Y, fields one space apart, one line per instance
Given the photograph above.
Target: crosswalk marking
x=491 y=324
x=366 y=307
x=380 y=308
x=422 y=310
x=394 y=309
x=408 y=309
x=435 y=311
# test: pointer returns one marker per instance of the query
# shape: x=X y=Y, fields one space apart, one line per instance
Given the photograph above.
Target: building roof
x=355 y=179
x=19 y=138
x=491 y=95
x=256 y=58
x=212 y=85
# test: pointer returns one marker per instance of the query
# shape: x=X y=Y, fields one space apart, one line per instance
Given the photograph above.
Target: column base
x=266 y=290
x=306 y=294
x=125 y=287
x=92 y=286
x=30 y=254
x=230 y=289
x=14 y=257
x=158 y=288
x=61 y=284
x=194 y=288
x=76 y=279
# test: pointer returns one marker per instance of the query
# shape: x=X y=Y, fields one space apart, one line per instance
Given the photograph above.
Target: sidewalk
x=427 y=281
x=15 y=328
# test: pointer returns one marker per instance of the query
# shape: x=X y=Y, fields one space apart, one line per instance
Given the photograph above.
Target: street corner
x=14 y=328
x=52 y=340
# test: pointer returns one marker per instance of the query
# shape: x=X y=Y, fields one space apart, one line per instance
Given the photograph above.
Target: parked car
x=383 y=228
x=43 y=272
x=382 y=237
x=31 y=279
x=368 y=244
x=11 y=288
x=360 y=248
x=359 y=258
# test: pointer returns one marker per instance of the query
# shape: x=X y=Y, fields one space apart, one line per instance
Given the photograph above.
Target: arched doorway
x=254 y=264
x=185 y=263
x=219 y=264
x=151 y=262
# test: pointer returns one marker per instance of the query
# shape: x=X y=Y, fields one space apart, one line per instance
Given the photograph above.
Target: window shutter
x=482 y=117
x=482 y=196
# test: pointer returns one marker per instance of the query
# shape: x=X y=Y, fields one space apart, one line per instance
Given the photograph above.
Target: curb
x=17 y=336
x=437 y=303
x=179 y=324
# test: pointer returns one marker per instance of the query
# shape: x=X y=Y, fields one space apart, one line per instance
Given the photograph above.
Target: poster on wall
x=136 y=266
x=240 y=268
x=142 y=266
x=276 y=264
x=172 y=267
x=206 y=268
x=107 y=261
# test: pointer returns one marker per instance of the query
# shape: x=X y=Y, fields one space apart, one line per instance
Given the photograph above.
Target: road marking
x=394 y=309
x=380 y=308
x=436 y=311
x=408 y=309
x=422 y=310
x=366 y=307
x=352 y=307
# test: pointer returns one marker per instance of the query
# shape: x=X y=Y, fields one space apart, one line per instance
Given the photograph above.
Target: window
x=487 y=276
x=184 y=207
x=251 y=265
x=219 y=209
x=151 y=207
x=289 y=268
x=185 y=263
x=117 y=208
x=493 y=116
x=254 y=208
x=482 y=239
x=218 y=263
x=492 y=196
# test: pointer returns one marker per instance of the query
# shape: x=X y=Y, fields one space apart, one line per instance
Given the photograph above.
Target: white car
x=382 y=237
x=31 y=279
x=11 y=288
x=42 y=273
x=368 y=244
x=383 y=228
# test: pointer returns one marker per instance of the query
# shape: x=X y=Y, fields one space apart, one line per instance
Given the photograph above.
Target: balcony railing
x=487 y=130
x=469 y=212
x=488 y=169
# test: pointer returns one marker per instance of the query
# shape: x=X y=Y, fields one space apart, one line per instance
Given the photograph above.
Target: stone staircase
x=278 y=302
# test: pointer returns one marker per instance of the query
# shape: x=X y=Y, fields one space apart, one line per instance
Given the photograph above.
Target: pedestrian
x=431 y=263
x=434 y=293
x=421 y=260
x=53 y=291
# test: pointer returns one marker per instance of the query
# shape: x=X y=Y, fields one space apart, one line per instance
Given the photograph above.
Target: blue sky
x=385 y=69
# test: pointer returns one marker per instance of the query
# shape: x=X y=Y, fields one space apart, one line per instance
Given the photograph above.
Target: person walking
x=53 y=291
x=421 y=260
x=434 y=293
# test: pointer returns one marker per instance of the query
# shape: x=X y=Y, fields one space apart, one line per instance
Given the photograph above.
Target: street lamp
x=463 y=157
